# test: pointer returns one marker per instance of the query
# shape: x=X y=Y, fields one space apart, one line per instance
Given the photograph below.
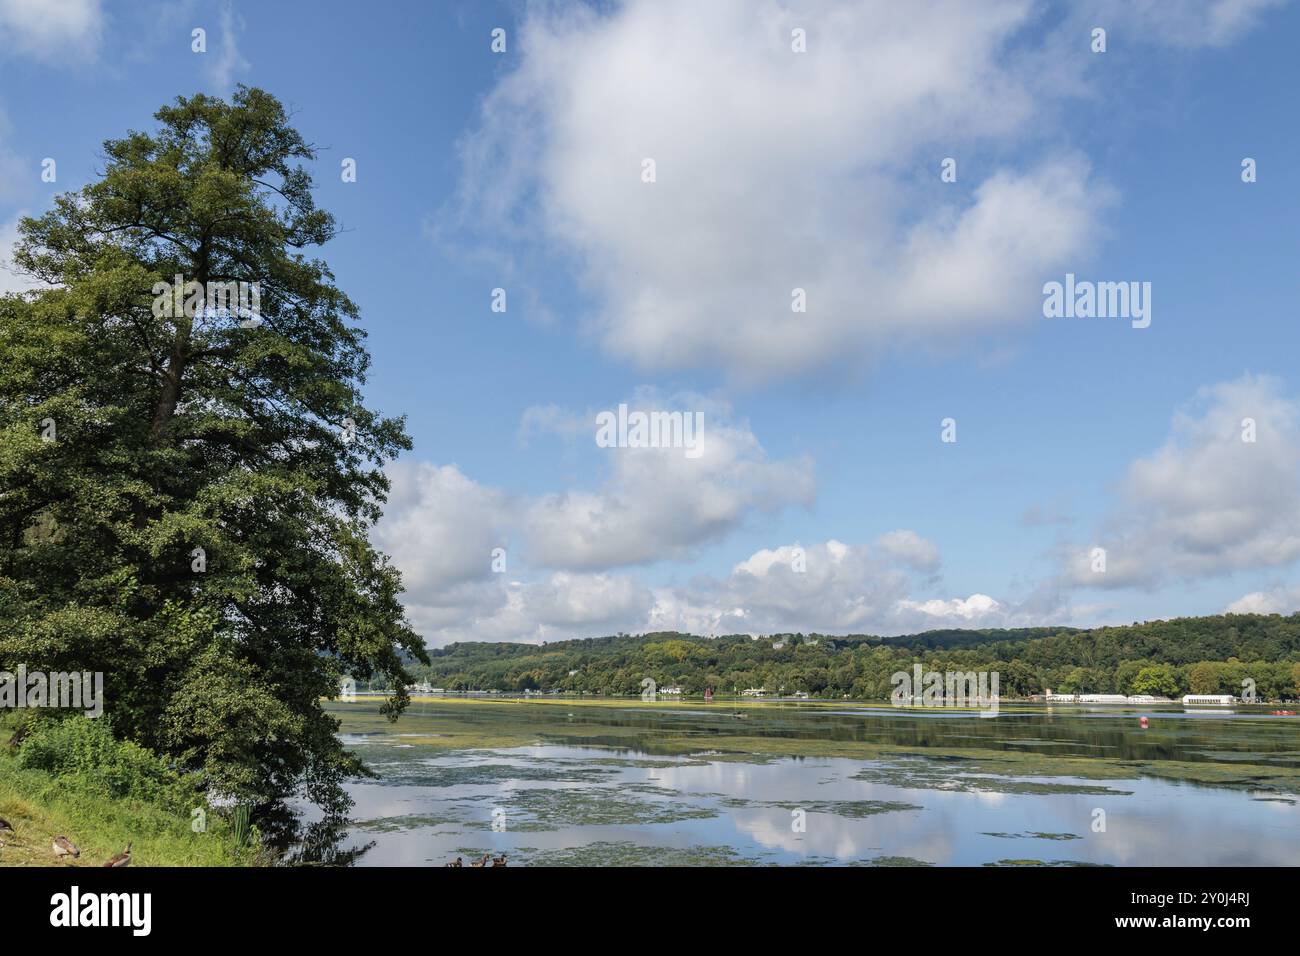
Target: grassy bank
x=103 y=797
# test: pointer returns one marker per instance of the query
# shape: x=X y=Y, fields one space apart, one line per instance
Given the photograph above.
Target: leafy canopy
x=131 y=436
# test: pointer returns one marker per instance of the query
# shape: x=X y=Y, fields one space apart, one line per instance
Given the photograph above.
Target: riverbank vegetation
x=72 y=778
x=186 y=489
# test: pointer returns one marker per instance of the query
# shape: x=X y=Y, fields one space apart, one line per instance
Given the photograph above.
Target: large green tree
x=186 y=493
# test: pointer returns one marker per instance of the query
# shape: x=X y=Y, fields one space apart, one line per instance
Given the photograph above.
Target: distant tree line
x=1186 y=655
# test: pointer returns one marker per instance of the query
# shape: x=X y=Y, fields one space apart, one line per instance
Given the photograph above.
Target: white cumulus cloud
x=441 y=528
x=1208 y=501
x=778 y=170
x=57 y=31
x=1276 y=600
x=660 y=503
x=842 y=588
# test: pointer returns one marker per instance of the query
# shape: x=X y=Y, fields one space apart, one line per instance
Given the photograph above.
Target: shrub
x=86 y=753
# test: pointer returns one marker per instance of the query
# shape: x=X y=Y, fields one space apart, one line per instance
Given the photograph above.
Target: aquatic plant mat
x=626 y=783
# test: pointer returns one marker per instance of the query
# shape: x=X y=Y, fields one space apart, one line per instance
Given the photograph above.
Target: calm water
x=550 y=784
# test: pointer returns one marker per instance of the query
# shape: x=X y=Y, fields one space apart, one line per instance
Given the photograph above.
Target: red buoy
x=1143 y=722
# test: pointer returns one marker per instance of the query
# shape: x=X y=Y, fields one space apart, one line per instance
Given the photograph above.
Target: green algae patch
x=852 y=809
x=896 y=861
x=951 y=780
x=1045 y=863
x=1034 y=836
x=618 y=853
x=485 y=775
x=413 y=821
x=545 y=809
x=1011 y=760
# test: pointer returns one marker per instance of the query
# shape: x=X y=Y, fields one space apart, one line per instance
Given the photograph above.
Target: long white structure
x=1104 y=699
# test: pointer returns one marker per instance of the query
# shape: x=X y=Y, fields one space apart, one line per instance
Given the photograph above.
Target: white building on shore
x=1213 y=700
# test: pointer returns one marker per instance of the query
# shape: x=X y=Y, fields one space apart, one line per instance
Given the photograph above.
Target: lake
x=586 y=782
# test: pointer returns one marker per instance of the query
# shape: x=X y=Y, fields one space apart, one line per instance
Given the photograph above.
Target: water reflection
x=614 y=791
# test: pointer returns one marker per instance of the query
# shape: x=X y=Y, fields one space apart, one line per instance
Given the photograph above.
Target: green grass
x=41 y=805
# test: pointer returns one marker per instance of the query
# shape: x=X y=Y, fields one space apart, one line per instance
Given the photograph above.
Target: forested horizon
x=1212 y=654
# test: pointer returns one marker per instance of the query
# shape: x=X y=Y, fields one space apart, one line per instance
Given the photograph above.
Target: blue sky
x=775 y=169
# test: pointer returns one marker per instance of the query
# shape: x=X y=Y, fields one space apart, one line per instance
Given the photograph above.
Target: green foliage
x=1162 y=658
x=1158 y=680
x=83 y=753
x=1204 y=678
x=1084 y=680
x=174 y=433
x=239 y=823
x=73 y=777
